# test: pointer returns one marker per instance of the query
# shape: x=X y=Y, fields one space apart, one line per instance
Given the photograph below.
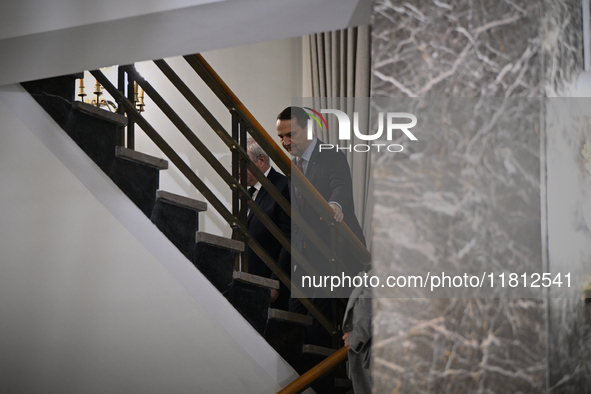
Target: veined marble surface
x=468 y=194
x=456 y=48
x=464 y=198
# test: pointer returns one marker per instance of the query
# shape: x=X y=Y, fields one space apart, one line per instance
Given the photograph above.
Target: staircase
x=99 y=133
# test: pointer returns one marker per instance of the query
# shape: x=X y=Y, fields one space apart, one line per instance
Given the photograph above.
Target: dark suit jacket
x=329 y=172
x=263 y=236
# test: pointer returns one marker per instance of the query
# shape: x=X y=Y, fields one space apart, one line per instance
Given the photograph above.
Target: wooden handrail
x=319 y=370
x=235 y=101
x=309 y=192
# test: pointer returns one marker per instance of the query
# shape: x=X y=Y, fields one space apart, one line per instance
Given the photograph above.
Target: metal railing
x=279 y=157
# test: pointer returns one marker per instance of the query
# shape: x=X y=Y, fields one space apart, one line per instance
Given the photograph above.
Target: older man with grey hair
x=257 y=229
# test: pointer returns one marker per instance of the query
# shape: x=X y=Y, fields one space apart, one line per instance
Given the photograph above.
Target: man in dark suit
x=257 y=229
x=328 y=171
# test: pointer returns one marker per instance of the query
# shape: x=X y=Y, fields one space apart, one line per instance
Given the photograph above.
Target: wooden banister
x=321 y=369
x=235 y=101
x=309 y=192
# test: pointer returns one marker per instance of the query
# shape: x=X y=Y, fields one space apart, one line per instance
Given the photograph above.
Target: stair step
x=139 y=182
x=317 y=350
x=178 y=218
x=252 y=301
x=245 y=277
x=343 y=383
x=215 y=257
x=222 y=242
x=290 y=317
x=180 y=201
x=141 y=158
x=55 y=95
x=92 y=110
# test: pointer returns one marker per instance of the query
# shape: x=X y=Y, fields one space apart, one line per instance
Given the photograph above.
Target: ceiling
x=40 y=39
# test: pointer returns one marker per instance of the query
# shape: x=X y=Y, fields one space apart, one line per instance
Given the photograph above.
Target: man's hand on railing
x=346 y=339
x=337 y=211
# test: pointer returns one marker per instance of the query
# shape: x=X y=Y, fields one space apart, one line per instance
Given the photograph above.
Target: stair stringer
x=126 y=212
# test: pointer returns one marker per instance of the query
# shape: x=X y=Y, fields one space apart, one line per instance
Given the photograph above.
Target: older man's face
x=260 y=163
x=293 y=137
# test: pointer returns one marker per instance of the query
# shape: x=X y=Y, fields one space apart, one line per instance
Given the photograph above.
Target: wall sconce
x=98 y=102
x=139 y=98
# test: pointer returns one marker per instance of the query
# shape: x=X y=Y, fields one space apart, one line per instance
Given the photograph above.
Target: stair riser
x=216 y=264
x=97 y=138
x=139 y=182
x=178 y=224
x=252 y=302
x=55 y=95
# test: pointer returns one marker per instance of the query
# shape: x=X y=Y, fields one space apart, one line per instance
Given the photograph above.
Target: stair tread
x=181 y=201
x=343 y=383
x=317 y=350
x=297 y=318
x=256 y=280
x=92 y=110
x=216 y=240
x=142 y=158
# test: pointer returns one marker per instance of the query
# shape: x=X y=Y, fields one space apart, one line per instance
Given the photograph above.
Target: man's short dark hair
x=298 y=113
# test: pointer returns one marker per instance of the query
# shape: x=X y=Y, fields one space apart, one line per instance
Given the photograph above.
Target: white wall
x=44 y=39
x=93 y=298
x=31 y=16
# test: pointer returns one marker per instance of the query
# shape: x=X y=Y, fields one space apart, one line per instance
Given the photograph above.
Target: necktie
x=251 y=190
x=300 y=164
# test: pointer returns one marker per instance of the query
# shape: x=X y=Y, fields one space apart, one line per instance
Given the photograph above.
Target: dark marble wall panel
x=456 y=48
x=470 y=196
x=466 y=199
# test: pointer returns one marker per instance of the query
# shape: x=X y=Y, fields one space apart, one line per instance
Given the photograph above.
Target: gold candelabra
x=99 y=102
x=138 y=98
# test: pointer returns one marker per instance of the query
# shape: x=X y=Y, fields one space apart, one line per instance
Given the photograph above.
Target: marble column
x=476 y=195
x=471 y=193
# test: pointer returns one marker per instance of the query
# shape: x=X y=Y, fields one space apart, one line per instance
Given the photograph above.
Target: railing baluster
x=242 y=175
x=120 y=106
x=238 y=202
x=130 y=115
